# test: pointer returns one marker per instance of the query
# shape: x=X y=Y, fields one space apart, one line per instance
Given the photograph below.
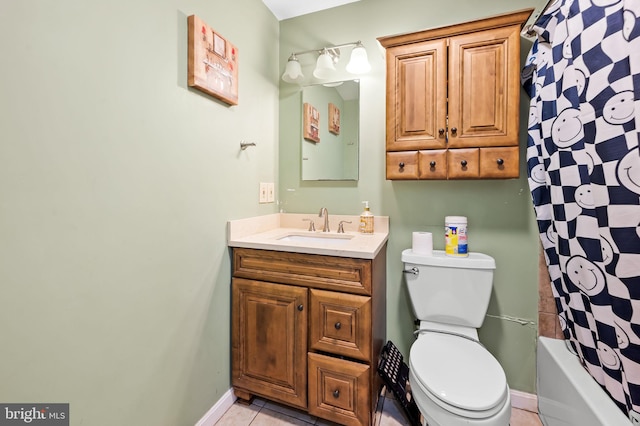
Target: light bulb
x=359 y=62
x=293 y=71
x=324 y=66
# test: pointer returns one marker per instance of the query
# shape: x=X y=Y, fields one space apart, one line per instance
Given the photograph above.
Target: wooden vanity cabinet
x=307 y=331
x=455 y=88
x=269 y=340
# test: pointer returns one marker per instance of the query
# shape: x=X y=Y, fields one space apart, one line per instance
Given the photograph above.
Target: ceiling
x=284 y=9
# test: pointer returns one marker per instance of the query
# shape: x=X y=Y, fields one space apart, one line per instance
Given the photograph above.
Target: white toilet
x=454 y=379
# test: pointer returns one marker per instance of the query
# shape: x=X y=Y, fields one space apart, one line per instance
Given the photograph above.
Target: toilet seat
x=458 y=374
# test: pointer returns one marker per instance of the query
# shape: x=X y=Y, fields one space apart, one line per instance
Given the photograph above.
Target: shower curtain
x=583 y=77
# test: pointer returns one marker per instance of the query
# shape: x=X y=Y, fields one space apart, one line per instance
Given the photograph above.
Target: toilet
x=454 y=380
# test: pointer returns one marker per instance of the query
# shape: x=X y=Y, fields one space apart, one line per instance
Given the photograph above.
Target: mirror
x=331 y=117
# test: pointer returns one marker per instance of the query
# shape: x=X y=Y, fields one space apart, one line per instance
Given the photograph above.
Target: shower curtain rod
x=527 y=30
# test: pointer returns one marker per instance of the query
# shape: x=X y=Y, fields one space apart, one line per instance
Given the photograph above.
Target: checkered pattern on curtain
x=583 y=76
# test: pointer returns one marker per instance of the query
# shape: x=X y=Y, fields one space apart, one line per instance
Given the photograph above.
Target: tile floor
x=266 y=413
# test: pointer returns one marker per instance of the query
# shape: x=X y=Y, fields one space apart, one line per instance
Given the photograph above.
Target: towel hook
x=244 y=144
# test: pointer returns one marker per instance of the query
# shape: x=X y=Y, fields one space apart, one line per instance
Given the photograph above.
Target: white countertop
x=264 y=232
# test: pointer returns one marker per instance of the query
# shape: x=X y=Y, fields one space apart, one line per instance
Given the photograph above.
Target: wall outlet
x=271 y=192
x=263 y=193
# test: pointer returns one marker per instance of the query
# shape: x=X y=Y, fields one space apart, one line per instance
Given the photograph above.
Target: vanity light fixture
x=328 y=57
x=293 y=71
x=324 y=65
x=359 y=62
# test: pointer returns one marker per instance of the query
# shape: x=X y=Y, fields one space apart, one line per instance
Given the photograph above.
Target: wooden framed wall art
x=213 y=62
x=311 y=123
x=334 y=119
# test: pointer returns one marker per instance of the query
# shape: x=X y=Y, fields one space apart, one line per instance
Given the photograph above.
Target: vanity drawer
x=340 y=324
x=402 y=165
x=499 y=162
x=463 y=163
x=339 y=390
x=433 y=164
x=307 y=270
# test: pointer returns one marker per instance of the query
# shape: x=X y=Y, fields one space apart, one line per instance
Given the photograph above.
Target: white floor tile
x=392 y=414
x=267 y=417
x=266 y=413
x=239 y=414
x=291 y=412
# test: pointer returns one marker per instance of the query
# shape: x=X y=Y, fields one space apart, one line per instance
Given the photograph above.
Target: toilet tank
x=449 y=290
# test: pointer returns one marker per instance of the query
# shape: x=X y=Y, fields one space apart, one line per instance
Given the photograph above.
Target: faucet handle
x=312 y=226
x=341 y=226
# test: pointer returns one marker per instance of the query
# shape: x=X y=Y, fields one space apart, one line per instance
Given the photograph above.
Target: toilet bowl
x=456 y=381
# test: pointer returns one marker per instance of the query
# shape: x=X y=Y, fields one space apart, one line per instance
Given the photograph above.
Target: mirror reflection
x=330 y=115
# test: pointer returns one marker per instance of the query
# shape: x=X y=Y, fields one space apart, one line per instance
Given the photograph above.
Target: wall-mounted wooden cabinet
x=453 y=100
x=307 y=331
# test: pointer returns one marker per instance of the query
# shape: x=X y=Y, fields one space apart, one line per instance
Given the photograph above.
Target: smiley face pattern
x=583 y=158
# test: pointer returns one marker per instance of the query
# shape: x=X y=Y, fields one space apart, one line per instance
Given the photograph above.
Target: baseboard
x=216 y=412
x=524 y=401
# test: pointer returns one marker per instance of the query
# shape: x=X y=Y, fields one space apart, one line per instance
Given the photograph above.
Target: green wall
x=501 y=220
x=116 y=183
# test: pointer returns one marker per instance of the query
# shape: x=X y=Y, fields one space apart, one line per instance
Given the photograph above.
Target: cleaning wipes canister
x=455 y=232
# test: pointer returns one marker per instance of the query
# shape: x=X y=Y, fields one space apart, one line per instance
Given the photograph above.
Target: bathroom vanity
x=309 y=315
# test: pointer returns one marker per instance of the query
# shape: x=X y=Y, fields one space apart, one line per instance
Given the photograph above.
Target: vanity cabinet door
x=484 y=88
x=339 y=390
x=269 y=340
x=340 y=324
x=417 y=96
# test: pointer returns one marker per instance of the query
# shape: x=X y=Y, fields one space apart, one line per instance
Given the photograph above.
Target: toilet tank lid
x=439 y=258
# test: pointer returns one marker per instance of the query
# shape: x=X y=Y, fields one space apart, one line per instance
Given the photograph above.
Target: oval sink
x=317 y=238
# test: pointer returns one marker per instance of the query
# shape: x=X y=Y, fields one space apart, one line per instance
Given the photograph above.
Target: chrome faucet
x=323 y=211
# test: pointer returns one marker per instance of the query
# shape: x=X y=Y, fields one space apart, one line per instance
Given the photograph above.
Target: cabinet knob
x=300 y=307
x=336 y=393
x=432 y=164
x=338 y=326
x=454 y=130
x=401 y=165
x=441 y=132
x=500 y=161
x=463 y=163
